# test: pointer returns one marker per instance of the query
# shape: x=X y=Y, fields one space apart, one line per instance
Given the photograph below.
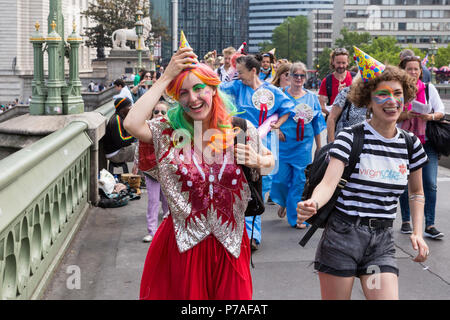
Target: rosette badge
x=369 y=67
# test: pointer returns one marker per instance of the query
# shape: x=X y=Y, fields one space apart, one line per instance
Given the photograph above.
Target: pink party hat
x=369 y=67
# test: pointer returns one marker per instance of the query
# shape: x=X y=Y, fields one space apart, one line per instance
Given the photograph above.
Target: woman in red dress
x=201 y=250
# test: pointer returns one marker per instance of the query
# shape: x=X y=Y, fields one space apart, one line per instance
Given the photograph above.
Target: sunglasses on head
x=407 y=58
x=340 y=51
x=158 y=111
x=298 y=75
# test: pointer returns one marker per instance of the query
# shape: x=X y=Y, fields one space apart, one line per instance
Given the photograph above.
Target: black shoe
x=406 y=228
x=433 y=233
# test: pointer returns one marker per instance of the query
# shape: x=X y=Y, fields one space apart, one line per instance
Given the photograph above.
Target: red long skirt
x=205 y=272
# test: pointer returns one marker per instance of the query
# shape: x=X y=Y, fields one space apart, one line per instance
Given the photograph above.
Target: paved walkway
x=109 y=255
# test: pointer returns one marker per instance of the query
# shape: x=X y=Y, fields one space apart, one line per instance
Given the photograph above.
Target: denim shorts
x=348 y=249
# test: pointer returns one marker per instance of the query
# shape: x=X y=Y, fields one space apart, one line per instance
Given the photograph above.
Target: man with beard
x=336 y=81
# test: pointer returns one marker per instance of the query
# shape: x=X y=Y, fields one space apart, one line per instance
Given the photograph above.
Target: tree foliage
x=290 y=38
x=349 y=39
x=442 y=57
x=110 y=15
x=324 y=63
x=384 y=49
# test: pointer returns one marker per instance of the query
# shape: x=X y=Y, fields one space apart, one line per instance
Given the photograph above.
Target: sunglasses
x=340 y=51
x=158 y=111
x=298 y=75
x=408 y=58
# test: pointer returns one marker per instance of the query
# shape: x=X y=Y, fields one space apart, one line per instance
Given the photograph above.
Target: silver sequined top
x=204 y=199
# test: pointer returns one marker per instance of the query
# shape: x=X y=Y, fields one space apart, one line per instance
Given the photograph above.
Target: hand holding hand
x=245 y=155
x=275 y=125
x=305 y=210
x=419 y=245
x=281 y=136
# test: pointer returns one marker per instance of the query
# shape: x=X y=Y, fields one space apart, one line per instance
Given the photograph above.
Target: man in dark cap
x=119 y=145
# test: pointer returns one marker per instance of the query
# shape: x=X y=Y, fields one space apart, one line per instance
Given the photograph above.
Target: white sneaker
x=147 y=238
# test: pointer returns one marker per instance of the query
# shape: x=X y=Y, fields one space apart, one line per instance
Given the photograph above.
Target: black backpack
x=315 y=171
x=255 y=205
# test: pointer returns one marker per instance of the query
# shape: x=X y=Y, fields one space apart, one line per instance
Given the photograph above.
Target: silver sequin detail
x=198 y=228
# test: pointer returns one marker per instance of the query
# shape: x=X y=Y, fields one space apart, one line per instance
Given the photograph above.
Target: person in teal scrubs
x=298 y=134
x=256 y=101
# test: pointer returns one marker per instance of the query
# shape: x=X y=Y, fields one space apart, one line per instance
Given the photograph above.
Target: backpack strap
x=329 y=85
x=427 y=92
x=357 y=146
x=241 y=123
x=348 y=106
x=409 y=142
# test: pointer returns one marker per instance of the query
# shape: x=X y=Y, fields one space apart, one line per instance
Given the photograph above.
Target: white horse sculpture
x=120 y=37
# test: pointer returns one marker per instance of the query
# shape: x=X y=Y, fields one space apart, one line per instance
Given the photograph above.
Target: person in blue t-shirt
x=256 y=101
x=267 y=73
x=296 y=141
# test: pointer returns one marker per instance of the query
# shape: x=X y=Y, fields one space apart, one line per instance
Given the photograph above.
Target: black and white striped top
x=380 y=176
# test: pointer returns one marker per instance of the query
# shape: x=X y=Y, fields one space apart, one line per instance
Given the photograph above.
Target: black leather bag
x=255 y=205
x=438 y=135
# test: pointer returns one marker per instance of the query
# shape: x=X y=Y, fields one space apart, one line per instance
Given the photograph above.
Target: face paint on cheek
x=400 y=102
x=381 y=100
x=207 y=96
x=386 y=94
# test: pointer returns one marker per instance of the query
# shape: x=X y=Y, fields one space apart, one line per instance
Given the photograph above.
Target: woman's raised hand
x=182 y=59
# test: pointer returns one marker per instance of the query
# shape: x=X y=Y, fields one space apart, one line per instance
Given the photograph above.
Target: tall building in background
x=320 y=35
x=266 y=15
x=412 y=22
x=208 y=24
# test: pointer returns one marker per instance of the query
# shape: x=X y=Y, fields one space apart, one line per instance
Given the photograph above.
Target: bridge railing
x=44 y=192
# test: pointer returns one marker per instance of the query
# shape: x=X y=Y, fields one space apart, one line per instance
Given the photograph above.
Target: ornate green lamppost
x=56 y=97
x=38 y=87
x=73 y=101
x=139 y=32
x=55 y=15
x=54 y=103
